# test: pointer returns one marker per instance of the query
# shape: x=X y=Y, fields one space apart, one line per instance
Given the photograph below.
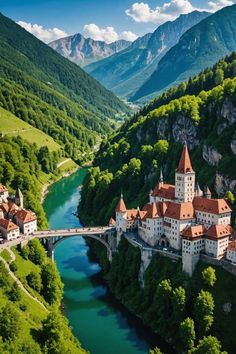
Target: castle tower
x=120 y=218
x=198 y=191
x=184 y=178
x=207 y=192
x=161 y=179
x=19 y=199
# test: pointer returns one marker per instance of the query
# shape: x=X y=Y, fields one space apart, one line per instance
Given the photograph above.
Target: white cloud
x=142 y=13
x=45 y=34
x=107 y=34
x=217 y=5
x=128 y=36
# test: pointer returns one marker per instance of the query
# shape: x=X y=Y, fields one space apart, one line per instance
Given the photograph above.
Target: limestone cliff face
x=184 y=130
x=227 y=114
x=211 y=155
x=224 y=184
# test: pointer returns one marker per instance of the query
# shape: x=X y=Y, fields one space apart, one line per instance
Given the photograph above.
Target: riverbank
x=46 y=186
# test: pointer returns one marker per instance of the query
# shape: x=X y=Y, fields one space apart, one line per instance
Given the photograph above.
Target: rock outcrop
x=228 y=114
x=211 y=155
x=184 y=130
x=224 y=184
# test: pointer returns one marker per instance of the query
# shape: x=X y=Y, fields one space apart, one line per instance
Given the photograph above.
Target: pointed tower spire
x=121 y=207
x=198 y=191
x=161 y=180
x=207 y=192
x=184 y=163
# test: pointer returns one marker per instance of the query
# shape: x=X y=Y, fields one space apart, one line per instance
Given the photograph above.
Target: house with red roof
x=180 y=216
x=231 y=252
x=26 y=220
x=8 y=229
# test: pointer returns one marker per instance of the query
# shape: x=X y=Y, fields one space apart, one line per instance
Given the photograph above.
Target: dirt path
x=62 y=162
x=12 y=254
x=21 y=285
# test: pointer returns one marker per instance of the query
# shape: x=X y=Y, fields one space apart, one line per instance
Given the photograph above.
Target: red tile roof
x=151 y=211
x=213 y=206
x=121 y=207
x=166 y=191
x=25 y=215
x=232 y=246
x=193 y=232
x=217 y=231
x=133 y=214
x=184 y=163
x=111 y=222
x=180 y=211
x=8 y=225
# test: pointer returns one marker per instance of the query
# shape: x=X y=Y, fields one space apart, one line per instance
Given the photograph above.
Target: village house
x=27 y=221
x=9 y=230
x=231 y=252
x=181 y=217
x=14 y=218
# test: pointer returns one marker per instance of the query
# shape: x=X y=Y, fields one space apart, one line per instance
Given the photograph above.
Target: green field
x=11 y=125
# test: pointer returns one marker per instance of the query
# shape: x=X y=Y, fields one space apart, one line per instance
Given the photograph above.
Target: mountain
x=125 y=72
x=51 y=93
x=200 y=47
x=200 y=112
x=84 y=51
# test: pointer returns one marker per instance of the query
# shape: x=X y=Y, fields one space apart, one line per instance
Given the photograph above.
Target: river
x=100 y=323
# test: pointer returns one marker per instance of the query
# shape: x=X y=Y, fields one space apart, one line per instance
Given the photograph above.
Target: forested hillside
x=204 y=116
x=51 y=93
x=25 y=166
x=26 y=326
x=125 y=72
x=194 y=315
x=198 y=48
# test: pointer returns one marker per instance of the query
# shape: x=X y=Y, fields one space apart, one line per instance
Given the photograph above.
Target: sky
x=107 y=20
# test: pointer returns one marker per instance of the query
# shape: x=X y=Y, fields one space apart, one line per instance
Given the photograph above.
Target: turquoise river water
x=100 y=323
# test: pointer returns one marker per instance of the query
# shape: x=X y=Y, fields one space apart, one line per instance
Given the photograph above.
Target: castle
x=180 y=217
x=14 y=219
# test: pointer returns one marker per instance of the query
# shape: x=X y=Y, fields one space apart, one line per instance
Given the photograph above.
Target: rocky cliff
x=126 y=71
x=131 y=158
x=84 y=51
x=198 y=48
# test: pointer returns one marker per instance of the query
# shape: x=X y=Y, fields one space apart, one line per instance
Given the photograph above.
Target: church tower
x=184 y=178
x=19 y=199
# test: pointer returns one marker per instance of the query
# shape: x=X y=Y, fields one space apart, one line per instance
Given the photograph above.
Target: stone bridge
x=104 y=234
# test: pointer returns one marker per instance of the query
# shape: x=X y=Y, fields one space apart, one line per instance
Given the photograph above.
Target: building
x=9 y=230
x=231 y=252
x=3 y=193
x=26 y=220
x=180 y=216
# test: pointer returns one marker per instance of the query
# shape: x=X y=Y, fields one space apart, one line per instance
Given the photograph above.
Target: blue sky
x=100 y=19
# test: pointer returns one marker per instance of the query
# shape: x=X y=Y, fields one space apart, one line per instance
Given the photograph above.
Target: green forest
x=129 y=160
x=191 y=314
x=23 y=165
x=25 y=326
x=52 y=94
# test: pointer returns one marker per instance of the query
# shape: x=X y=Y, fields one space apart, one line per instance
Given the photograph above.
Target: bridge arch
x=95 y=237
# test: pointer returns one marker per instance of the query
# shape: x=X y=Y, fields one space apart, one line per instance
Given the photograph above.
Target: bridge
x=103 y=234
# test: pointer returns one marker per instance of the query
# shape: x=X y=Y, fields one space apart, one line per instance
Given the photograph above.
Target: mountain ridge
x=51 y=93
x=199 y=47
x=84 y=51
x=125 y=72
